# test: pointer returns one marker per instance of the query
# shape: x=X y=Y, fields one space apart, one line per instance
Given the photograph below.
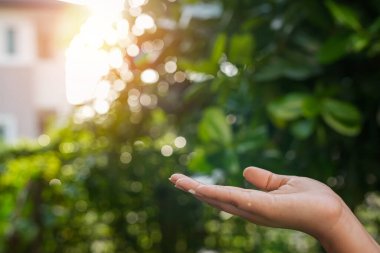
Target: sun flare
x=106 y=39
x=86 y=59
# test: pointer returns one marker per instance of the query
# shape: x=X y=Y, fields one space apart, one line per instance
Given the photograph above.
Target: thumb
x=264 y=179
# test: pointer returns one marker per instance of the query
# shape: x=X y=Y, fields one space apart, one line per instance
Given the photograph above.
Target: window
x=17 y=41
x=11 y=41
x=2 y=133
x=8 y=128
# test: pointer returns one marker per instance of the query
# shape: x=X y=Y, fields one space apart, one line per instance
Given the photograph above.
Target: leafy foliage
x=291 y=86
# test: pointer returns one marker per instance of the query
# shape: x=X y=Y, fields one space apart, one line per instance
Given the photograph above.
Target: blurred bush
x=292 y=86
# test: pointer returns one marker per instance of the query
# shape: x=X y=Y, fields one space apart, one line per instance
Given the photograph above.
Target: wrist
x=347 y=235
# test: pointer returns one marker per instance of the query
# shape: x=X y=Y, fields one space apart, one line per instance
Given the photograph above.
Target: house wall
x=16 y=102
x=32 y=84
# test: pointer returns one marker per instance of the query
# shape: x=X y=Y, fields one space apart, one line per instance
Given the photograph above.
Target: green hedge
x=292 y=86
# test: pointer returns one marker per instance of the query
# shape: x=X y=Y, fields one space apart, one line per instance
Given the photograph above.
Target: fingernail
x=191 y=191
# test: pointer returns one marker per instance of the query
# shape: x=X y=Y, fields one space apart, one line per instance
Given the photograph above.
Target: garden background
x=212 y=87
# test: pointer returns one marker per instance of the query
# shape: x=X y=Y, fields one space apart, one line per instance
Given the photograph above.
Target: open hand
x=288 y=202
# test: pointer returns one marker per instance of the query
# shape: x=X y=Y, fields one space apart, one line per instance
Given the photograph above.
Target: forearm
x=348 y=236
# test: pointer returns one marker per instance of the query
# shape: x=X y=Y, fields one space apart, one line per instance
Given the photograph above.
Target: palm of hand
x=286 y=201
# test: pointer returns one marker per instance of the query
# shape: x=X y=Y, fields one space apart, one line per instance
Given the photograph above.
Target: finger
x=263 y=179
x=187 y=184
x=173 y=178
x=225 y=207
x=234 y=211
x=257 y=202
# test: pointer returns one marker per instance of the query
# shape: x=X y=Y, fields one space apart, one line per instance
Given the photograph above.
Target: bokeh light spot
x=144 y=21
x=125 y=157
x=115 y=58
x=147 y=47
x=180 y=142
x=158 y=44
x=66 y=147
x=229 y=69
x=163 y=88
x=133 y=100
x=102 y=89
x=133 y=50
x=136 y=3
x=132 y=217
x=111 y=37
x=122 y=28
x=55 y=182
x=43 y=140
x=145 y=100
x=166 y=150
x=101 y=106
x=170 y=67
x=137 y=31
x=149 y=76
x=119 y=85
x=81 y=206
x=136 y=186
x=135 y=11
x=84 y=112
x=179 y=77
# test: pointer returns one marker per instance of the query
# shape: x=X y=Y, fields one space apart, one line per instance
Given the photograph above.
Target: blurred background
x=101 y=101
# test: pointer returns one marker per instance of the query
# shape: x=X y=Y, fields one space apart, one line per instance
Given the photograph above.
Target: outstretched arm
x=288 y=202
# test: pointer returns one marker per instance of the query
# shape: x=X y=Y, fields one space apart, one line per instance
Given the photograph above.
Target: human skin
x=291 y=202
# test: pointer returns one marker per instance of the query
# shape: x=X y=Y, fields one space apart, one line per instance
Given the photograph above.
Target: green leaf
x=299 y=66
x=289 y=107
x=302 y=129
x=311 y=107
x=158 y=117
x=201 y=66
x=342 y=110
x=214 y=127
x=333 y=49
x=298 y=71
x=270 y=71
x=251 y=139
x=196 y=90
x=359 y=42
x=241 y=49
x=294 y=66
x=198 y=161
x=374 y=49
x=219 y=48
x=375 y=27
x=231 y=161
x=341 y=116
x=211 y=65
x=344 y=15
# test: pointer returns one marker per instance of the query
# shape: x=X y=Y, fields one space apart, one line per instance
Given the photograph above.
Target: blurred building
x=33 y=38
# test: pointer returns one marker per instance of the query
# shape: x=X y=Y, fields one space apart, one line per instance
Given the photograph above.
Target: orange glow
x=86 y=61
x=102 y=44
